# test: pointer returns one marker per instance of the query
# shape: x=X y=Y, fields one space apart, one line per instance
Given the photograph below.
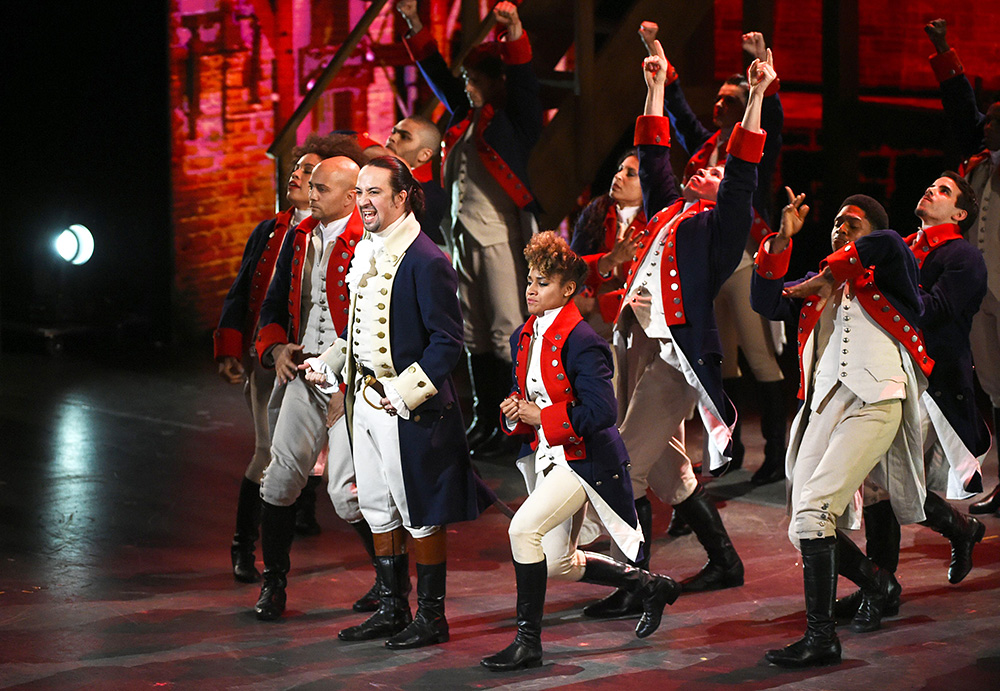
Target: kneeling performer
x=564 y=398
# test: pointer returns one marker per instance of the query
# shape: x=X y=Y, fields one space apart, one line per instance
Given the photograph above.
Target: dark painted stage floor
x=117 y=500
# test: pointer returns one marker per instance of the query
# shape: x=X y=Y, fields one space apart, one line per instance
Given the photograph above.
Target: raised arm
x=957 y=95
x=691 y=134
x=448 y=88
x=523 y=105
x=770 y=296
x=772 y=120
x=652 y=139
x=732 y=216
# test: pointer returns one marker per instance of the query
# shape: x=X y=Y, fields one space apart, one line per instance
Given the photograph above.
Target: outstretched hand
x=821 y=284
x=626 y=244
x=937 y=32
x=794 y=214
x=753 y=43
x=761 y=73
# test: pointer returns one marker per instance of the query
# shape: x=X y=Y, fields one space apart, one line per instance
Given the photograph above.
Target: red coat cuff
x=420 y=45
x=268 y=336
x=672 y=75
x=772 y=88
x=519 y=428
x=946 y=65
x=594 y=278
x=746 y=145
x=227 y=343
x=844 y=263
x=515 y=52
x=772 y=266
x=557 y=426
x=652 y=129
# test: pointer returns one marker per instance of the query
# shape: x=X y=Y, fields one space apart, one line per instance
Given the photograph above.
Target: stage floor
x=117 y=503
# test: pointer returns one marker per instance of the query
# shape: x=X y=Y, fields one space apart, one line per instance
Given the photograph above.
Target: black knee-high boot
x=247 y=531
x=773 y=421
x=495 y=388
x=277 y=524
x=734 y=387
x=654 y=591
x=429 y=625
x=991 y=502
x=962 y=531
x=393 y=613
x=724 y=568
x=624 y=602
x=526 y=650
x=369 y=601
x=305 y=508
x=820 y=645
x=882 y=547
x=879 y=588
x=483 y=425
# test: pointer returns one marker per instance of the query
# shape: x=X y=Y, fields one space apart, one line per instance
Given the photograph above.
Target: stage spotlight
x=75 y=244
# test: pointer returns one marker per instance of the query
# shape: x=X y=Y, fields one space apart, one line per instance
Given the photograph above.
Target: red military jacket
x=556 y=422
x=228 y=340
x=274 y=332
x=670 y=284
x=610 y=302
x=933 y=237
x=846 y=265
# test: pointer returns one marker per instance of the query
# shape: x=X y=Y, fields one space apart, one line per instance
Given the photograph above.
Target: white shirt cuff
x=396 y=400
x=319 y=366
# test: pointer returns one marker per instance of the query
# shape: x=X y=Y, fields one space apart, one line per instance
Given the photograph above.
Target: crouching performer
x=402 y=342
x=863 y=366
x=564 y=398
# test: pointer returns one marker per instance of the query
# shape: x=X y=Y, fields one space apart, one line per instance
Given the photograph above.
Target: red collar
x=567 y=319
x=934 y=237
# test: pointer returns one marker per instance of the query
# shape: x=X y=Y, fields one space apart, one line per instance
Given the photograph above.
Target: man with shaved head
x=417 y=142
x=304 y=311
x=234 y=339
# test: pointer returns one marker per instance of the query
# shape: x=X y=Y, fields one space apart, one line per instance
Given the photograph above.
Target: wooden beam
x=285 y=140
x=838 y=135
x=265 y=17
x=586 y=88
x=619 y=93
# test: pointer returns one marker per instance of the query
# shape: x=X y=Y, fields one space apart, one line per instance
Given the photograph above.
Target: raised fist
x=506 y=13
x=753 y=43
x=937 y=32
x=647 y=33
x=407 y=8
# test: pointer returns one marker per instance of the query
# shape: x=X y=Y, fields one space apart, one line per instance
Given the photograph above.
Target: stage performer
x=563 y=398
x=403 y=340
x=863 y=367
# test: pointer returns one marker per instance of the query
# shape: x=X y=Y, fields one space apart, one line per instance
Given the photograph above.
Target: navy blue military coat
x=952 y=287
x=709 y=244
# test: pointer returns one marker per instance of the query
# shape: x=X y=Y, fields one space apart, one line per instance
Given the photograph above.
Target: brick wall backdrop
x=223 y=182
x=893 y=46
